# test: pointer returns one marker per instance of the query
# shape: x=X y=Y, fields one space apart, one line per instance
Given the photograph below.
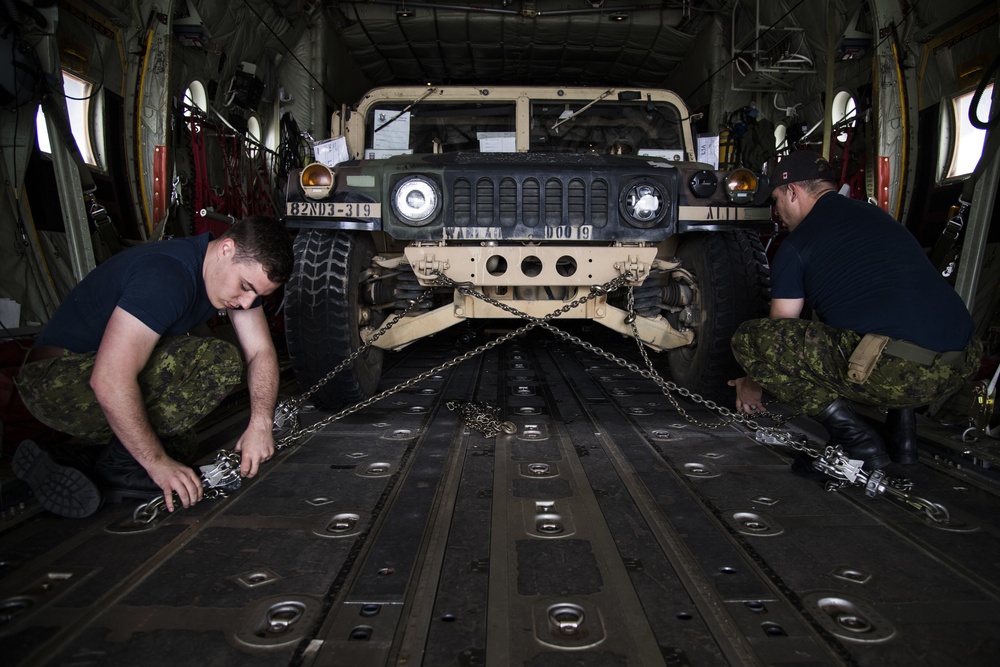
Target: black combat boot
x=121 y=477
x=901 y=435
x=853 y=434
x=58 y=479
x=849 y=432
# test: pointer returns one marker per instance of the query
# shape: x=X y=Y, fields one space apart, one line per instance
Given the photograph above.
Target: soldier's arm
x=749 y=393
x=125 y=348
x=257 y=442
x=787 y=308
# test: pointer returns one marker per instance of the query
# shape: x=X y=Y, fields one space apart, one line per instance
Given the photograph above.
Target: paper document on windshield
x=496 y=142
x=391 y=134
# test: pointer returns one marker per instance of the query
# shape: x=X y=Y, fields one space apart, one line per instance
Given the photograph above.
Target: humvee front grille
x=487 y=202
x=531 y=199
x=461 y=195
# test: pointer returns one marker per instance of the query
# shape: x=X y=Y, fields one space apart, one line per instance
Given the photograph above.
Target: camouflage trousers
x=185 y=378
x=804 y=364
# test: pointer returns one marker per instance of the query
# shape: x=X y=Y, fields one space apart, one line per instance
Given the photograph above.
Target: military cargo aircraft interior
x=540 y=333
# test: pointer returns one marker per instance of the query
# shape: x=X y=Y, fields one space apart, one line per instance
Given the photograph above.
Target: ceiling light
x=617 y=16
x=404 y=12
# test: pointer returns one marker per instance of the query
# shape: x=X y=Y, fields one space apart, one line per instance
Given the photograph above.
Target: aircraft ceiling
x=561 y=42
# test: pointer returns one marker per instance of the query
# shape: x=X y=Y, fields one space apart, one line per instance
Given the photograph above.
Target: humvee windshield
x=640 y=127
x=637 y=127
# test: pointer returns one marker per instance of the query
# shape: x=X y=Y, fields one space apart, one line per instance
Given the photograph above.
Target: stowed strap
x=911 y=352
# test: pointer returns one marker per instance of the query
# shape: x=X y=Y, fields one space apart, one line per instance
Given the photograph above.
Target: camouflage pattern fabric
x=804 y=364
x=185 y=378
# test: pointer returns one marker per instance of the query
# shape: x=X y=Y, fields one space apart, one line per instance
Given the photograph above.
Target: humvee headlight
x=741 y=186
x=316 y=180
x=416 y=200
x=643 y=204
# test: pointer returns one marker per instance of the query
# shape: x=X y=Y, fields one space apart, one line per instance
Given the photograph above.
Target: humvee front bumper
x=539 y=265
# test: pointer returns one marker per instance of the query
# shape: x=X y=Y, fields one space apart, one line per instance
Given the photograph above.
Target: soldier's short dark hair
x=265 y=241
x=817 y=186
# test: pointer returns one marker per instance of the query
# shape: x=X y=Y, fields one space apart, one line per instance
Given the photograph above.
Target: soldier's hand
x=749 y=395
x=173 y=477
x=255 y=446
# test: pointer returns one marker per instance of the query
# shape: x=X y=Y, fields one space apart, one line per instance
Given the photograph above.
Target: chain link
x=482 y=417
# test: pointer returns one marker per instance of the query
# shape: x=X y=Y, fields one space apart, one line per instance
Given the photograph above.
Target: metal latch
x=224 y=474
x=635 y=270
x=428 y=267
x=836 y=464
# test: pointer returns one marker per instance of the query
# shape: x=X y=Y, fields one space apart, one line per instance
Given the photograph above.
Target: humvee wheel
x=325 y=311
x=733 y=286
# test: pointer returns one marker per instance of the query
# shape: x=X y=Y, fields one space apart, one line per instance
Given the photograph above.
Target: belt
x=921 y=355
x=43 y=352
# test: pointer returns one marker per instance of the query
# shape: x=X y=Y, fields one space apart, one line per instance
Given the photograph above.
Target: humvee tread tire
x=322 y=302
x=734 y=285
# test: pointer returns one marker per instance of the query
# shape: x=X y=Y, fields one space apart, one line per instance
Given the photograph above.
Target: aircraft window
x=253 y=134
x=844 y=112
x=79 y=94
x=780 y=137
x=962 y=149
x=195 y=97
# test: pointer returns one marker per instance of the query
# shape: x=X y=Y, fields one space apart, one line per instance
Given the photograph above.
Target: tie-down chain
x=843 y=470
x=832 y=461
x=288 y=429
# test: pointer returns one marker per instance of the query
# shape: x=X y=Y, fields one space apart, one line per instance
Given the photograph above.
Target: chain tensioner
x=218 y=480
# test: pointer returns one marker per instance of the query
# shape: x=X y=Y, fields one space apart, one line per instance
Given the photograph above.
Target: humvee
x=528 y=196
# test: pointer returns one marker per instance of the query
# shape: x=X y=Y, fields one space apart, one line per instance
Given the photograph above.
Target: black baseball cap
x=800 y=166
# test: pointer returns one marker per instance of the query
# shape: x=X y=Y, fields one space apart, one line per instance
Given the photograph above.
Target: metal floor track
x=606 y=531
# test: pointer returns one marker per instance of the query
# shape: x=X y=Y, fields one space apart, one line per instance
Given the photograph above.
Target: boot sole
x=59 y=489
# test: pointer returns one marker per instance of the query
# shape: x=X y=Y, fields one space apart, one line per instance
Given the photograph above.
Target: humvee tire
x=324 y=308
x=733 y=285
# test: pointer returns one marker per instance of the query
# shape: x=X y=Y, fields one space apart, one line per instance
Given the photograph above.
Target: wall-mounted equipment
x=857 y=37
x=766 y=58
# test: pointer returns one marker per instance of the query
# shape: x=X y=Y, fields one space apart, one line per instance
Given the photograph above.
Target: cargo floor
x=606 y=530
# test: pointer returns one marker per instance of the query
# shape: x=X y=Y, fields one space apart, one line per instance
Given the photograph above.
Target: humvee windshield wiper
x=409 y=106
x=583 y=108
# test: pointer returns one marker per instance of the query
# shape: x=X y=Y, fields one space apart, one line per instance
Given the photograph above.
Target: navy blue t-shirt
x=861 y=270
x=159 y=283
